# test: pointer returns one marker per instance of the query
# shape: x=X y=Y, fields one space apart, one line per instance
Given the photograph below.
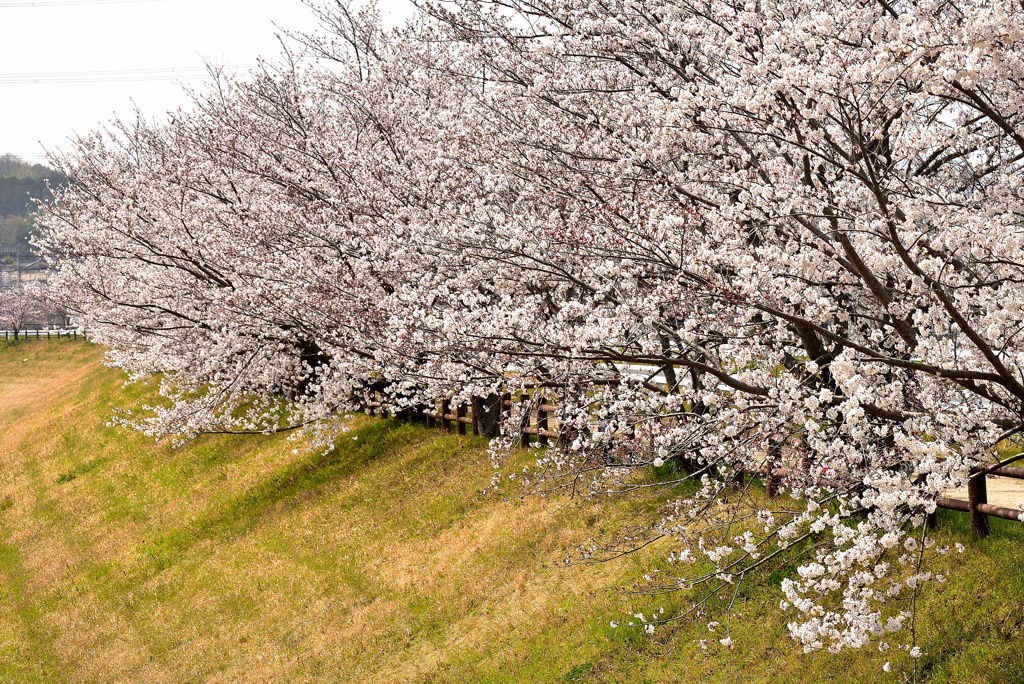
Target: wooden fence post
x=977 y=493
x=475 y=416
x=431 y=421
x=460 y=412
x=524 y=436
x=771 y=483
x=805 y=462
x=446 y=423
x=542 y=423
x=771 y=480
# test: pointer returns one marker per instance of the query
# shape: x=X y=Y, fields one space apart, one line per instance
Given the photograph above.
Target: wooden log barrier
x=982 y=508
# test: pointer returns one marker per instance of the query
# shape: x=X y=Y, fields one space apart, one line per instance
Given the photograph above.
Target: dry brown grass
x=152 y=564
x=236 y=559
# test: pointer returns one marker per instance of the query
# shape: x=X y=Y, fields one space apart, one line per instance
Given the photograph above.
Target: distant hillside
x=15 y=167
x=20 y=183
x=16 y=195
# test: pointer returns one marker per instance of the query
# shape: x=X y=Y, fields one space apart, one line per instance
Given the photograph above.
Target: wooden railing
x=537 y=423
x=40 y=334
x=977 y=499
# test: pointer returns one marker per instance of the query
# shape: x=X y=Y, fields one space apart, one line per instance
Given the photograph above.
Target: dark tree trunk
x=487 y=411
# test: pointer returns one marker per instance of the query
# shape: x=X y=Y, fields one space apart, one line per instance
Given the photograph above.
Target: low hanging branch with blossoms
x=803 y=218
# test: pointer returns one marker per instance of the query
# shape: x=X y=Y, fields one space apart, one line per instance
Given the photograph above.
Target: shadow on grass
x=296 y=482
x=81 y=469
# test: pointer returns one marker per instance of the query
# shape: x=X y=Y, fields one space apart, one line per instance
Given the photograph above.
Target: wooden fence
x=538 y=422
x=977 y=499
x=40 y=334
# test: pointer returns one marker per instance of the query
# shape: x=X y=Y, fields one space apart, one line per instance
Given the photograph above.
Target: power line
x=73 y=3
x=115 y=75
x=27 y=156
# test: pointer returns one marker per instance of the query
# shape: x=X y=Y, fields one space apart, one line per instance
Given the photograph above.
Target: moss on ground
x=250 y=558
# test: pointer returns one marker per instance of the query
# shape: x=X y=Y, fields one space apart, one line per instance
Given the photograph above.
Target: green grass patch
x=384 y=559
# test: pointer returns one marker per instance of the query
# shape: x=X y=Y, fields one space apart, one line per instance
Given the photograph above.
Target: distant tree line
x=16 y=167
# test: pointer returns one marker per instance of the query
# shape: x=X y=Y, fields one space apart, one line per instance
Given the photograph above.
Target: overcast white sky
x=68 y=66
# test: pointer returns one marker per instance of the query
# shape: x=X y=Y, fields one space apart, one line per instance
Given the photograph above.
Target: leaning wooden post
x=446 y=423
x=977 y=493
x=460 y=425
x=542 y=423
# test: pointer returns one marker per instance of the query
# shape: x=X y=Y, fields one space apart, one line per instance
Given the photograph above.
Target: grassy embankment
x=238 y=559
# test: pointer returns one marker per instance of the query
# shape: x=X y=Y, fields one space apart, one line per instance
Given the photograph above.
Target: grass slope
x=242 y=559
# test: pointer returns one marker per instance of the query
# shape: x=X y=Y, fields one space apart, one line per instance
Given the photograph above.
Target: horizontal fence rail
x=41 y=334
x=539 y=419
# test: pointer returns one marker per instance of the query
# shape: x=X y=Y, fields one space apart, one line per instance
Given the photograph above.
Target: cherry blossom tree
x=22 y=305
x=742 y=237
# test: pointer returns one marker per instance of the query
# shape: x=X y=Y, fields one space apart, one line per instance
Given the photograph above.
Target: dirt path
x=1002 y=491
